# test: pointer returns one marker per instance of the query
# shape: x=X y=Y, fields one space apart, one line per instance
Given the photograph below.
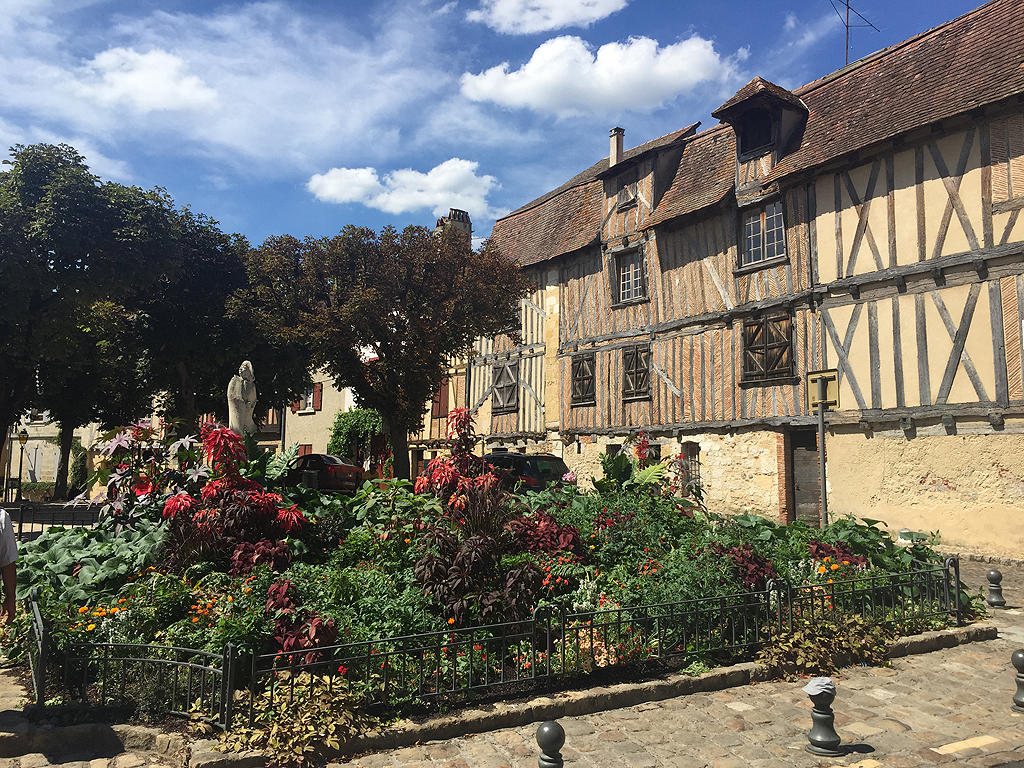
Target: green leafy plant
x=300 y=721
x=822 y=646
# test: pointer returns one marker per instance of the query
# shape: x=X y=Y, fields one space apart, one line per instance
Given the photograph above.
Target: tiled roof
x=971 y=61
x=569 y=217
x=756 y=87
x=707 y=173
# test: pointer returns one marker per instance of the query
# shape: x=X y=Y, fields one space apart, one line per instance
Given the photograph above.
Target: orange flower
x=195 y=619
x=84 y=609
x=828 y=559
x=451 y=621
x=834 y=567
x=846 y=562
x=90 y=628
x=114 y=610
x=821 y=569
x=231 y=599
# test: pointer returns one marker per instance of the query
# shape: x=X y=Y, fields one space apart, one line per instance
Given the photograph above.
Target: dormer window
x=626 y=188
x=755 y=132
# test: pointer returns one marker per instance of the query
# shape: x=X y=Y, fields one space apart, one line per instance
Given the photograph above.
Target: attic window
x=755 y=132
x=626 y=188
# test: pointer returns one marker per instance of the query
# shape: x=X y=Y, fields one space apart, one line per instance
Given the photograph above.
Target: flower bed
x=400 y=593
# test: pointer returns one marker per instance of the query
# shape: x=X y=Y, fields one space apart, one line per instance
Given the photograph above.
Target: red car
x=324 y=472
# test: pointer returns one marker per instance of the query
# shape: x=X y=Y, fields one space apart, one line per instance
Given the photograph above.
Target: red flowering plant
x=139 y=467
x=234 y=519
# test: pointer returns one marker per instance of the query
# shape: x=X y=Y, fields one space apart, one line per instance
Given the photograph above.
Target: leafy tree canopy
x=386 y=313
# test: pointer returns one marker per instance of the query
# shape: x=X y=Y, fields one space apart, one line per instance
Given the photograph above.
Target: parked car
x=530 y=471
x=323 y=471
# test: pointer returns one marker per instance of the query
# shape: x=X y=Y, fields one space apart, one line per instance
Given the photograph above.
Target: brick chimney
x=615 y=153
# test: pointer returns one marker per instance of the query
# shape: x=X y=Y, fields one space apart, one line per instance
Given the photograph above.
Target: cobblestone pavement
x=950 y=706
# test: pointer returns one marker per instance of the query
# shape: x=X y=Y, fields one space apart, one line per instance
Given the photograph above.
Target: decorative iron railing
x=467 y=661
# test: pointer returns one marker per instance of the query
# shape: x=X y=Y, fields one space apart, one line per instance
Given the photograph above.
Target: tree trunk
x=67 y=439
x=400 y=448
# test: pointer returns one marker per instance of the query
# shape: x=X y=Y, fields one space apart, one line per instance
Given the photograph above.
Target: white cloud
x=452 y=184
x=520 y=17
x=258 y=86
x=155 y=80
x=564 y=77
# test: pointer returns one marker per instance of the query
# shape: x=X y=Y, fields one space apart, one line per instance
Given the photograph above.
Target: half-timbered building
x=868 y=222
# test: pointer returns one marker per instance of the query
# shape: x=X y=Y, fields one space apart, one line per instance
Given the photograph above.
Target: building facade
x=868 y=222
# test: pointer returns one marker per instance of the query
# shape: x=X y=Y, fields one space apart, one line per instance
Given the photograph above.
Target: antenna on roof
x=845 y=18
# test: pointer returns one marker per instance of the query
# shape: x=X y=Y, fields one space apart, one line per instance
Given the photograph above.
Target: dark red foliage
x=753 y=569
x=839 y=552
x=248 y=555
x=541 y=532
x=296 y=631
x=466 y=578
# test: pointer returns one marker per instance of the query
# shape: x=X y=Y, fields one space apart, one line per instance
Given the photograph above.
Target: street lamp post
x=22 y=439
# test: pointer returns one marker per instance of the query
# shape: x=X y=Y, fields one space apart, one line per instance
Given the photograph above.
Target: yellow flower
x=90 y=628
x=84 y=609
x=834 y=567
x=821 y=569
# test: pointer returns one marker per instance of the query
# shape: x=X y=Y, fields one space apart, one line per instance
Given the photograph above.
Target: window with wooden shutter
x=318 y=396
x=305 y=449
x=583 y=383
x=768 y=348
x=636 y=372
x=439 y=406
x=505 y=392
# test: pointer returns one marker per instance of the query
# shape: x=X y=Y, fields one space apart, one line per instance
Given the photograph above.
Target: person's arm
x=10 y=578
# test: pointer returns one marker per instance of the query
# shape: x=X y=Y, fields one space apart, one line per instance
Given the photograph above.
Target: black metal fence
x=466 y=661
x=32 y=518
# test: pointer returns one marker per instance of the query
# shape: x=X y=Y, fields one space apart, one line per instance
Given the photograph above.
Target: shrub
x=822 y=646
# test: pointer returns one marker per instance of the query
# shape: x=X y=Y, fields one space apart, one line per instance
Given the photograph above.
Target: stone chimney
x=615 y=153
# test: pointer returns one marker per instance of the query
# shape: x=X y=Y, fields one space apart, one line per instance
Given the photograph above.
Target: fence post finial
x=550 y=738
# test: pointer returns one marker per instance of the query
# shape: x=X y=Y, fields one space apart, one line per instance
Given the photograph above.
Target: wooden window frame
x=632 y=258
x=583 y=379
x=770 y=214
x=505 y=387
x=767 y=356
x=636 y=372
x=748 y=121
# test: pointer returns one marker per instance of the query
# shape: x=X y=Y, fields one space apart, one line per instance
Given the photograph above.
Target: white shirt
x=8 y=544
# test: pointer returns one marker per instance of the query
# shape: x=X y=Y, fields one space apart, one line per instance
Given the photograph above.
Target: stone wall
x=739 y=472
x=968 y=487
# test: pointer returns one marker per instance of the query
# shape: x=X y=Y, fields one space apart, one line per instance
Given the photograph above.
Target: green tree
x=67 y=240
x=352 y=433
x=386 y=313
x=196 y=333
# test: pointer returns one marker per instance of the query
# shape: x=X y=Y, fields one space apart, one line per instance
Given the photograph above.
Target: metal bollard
x=1017 y=659
x=550 y=738
x=995 y=589
x=822 y=739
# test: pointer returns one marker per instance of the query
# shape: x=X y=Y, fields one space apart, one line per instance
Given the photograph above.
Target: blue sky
x=303 y=116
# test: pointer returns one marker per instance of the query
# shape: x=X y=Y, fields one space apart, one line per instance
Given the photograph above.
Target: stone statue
x=242 y=400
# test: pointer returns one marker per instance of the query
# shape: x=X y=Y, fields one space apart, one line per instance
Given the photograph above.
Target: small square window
x=630 y=272
x=764 y=234
x=583 y=390
x=506 y=387
x=636 y=372
x=768 y=348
